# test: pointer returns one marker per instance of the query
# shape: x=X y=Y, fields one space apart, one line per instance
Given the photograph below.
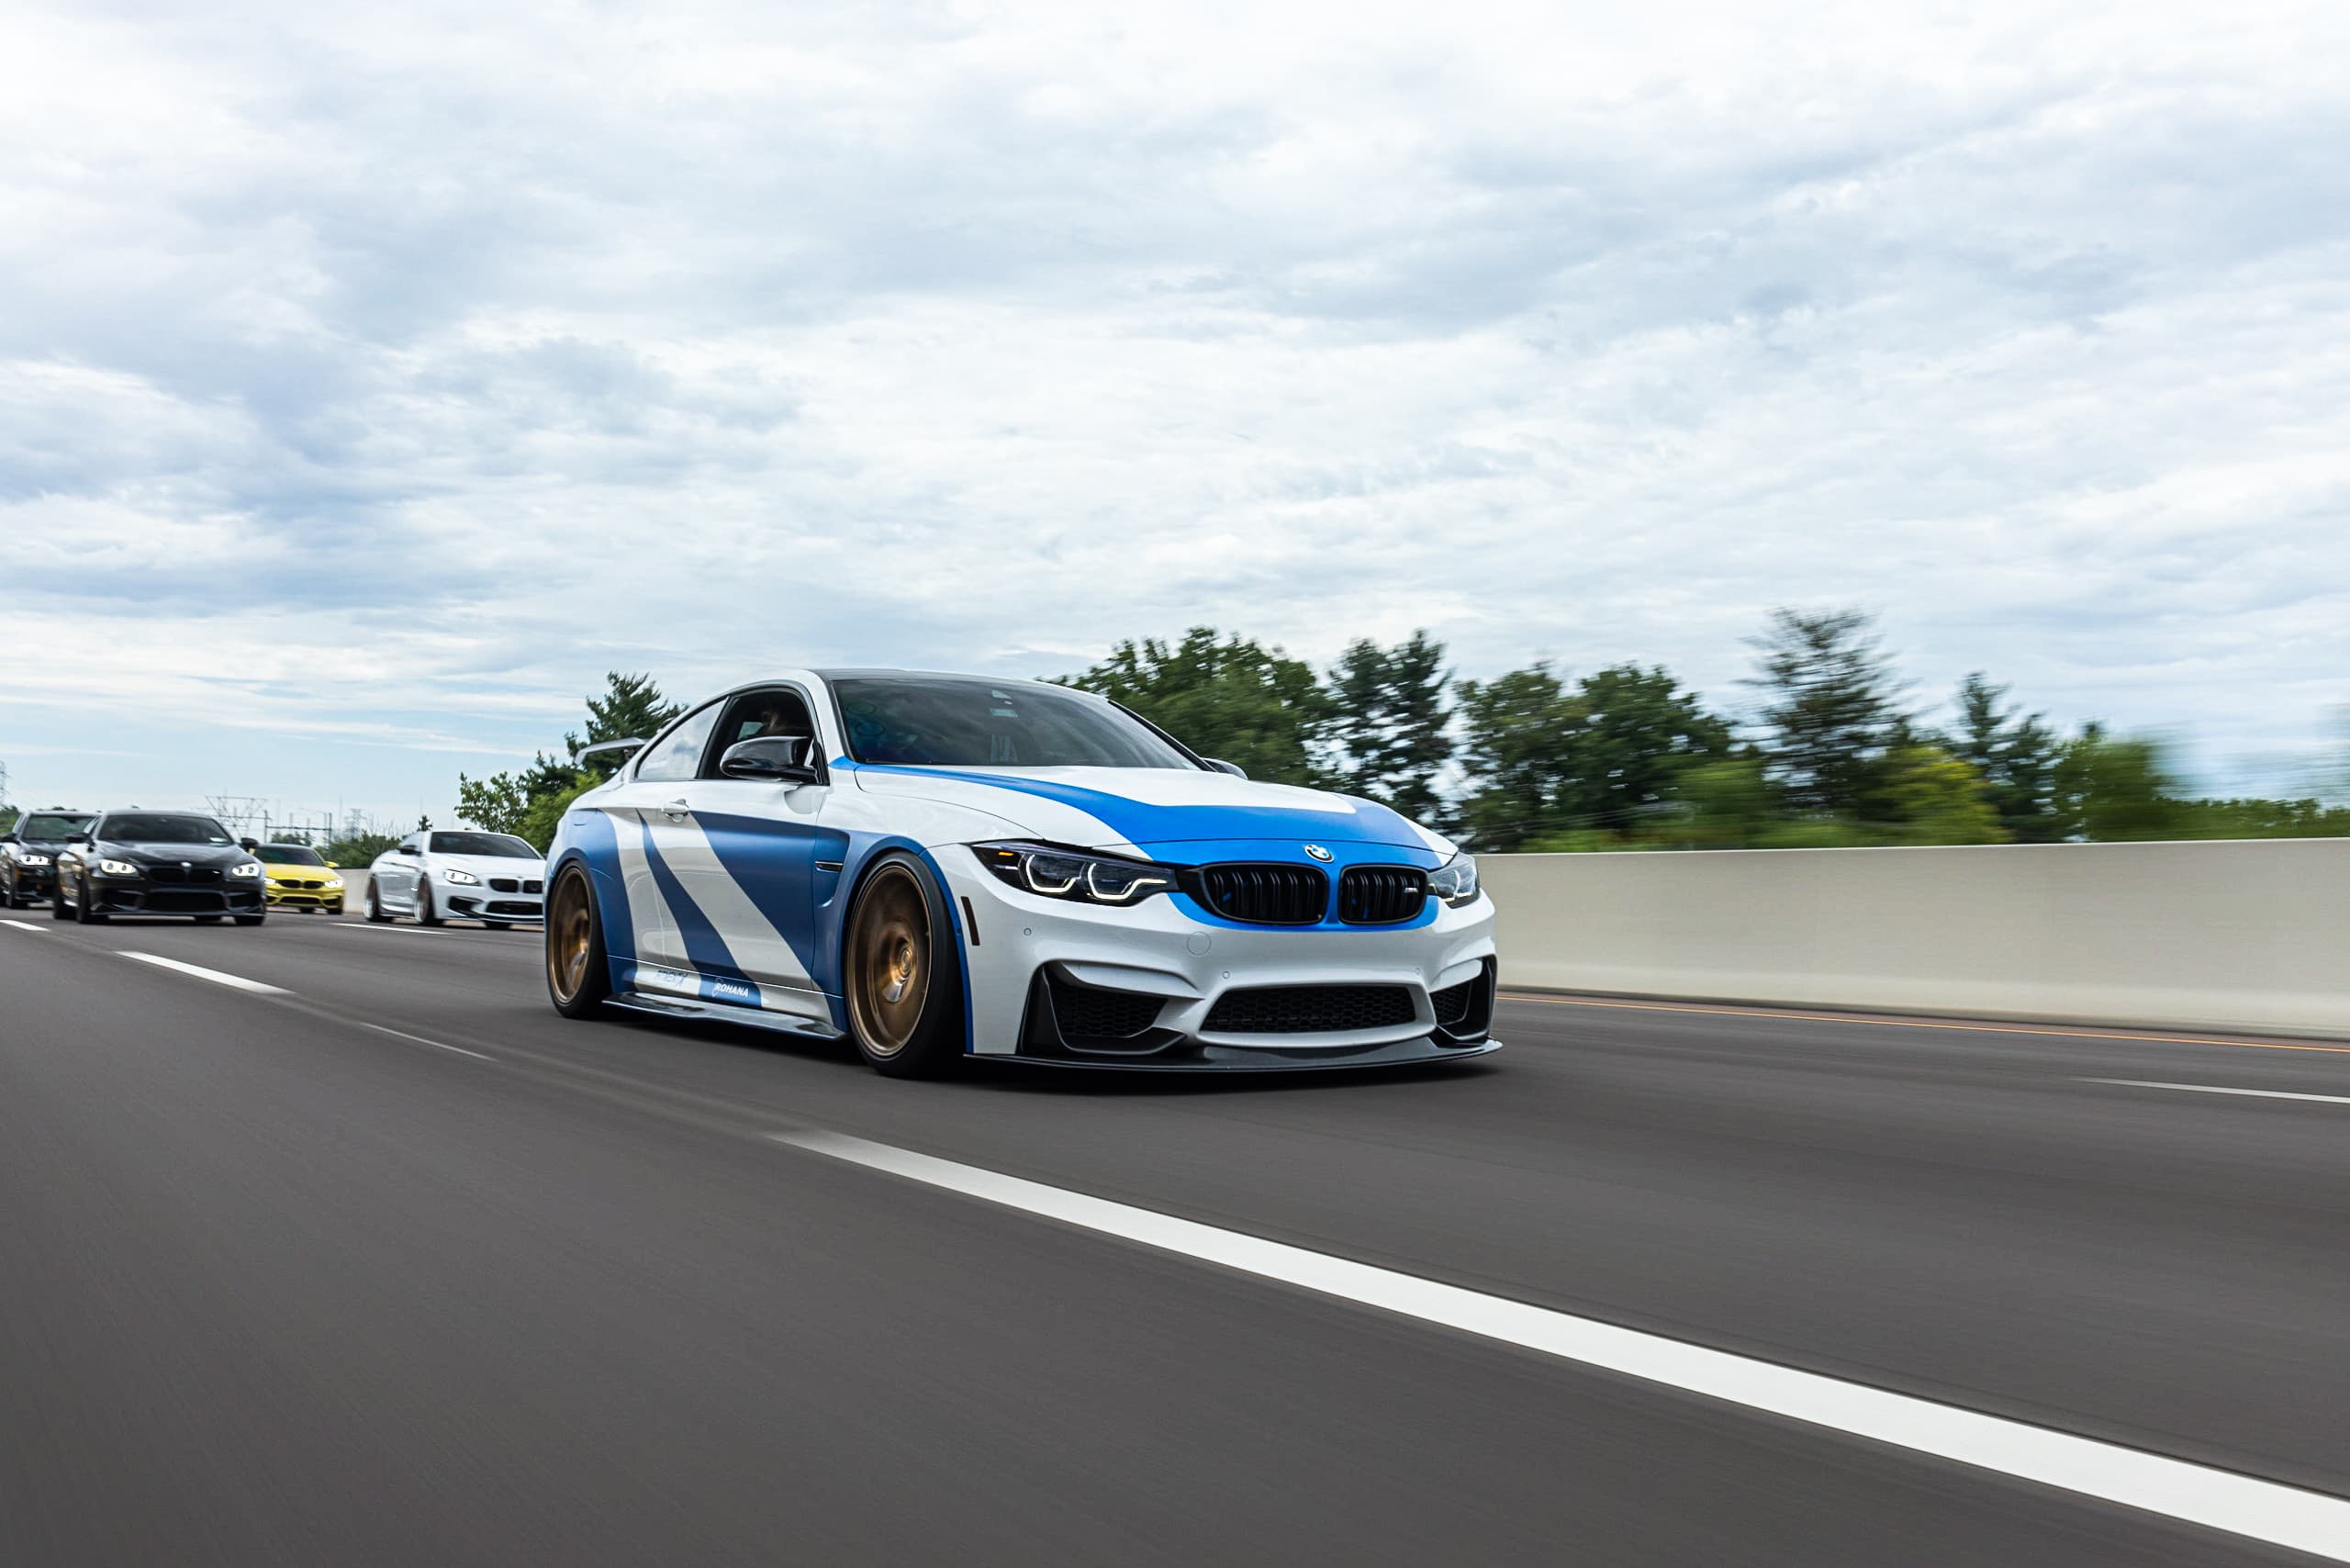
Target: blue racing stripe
x=1139 y=822
x=705 y=947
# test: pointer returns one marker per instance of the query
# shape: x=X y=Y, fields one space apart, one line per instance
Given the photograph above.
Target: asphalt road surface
x=387 y=1264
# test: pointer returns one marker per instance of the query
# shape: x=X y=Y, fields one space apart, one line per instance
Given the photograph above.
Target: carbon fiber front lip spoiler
x=1256 y=1058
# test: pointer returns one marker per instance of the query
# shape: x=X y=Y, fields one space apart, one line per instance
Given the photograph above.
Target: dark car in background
x=29 y=854
x=138 y=862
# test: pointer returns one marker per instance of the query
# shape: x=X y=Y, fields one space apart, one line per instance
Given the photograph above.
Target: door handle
x=675 y=810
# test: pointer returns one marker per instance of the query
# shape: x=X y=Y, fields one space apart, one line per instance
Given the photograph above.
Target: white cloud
x=392 y=374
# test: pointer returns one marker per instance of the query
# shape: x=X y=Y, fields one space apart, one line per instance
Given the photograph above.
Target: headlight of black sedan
x=1078 y=875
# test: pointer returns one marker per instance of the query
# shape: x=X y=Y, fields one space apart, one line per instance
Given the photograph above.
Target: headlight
x=1455 y=882
x=249 y=869
x=32 y=860
x=334 y=881
x=116 y=869
x=461 y=879
x=1074 y=874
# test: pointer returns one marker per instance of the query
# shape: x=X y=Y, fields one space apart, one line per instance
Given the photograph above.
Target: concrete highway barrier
x=2245 y=935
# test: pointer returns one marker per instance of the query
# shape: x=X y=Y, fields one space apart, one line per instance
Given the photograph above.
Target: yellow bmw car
x=298 y=879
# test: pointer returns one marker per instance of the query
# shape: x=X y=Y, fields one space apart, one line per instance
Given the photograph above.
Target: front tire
x=579 y=969
x=84 y=911
x=425 y=914
x=903 y=972
x=375 y=906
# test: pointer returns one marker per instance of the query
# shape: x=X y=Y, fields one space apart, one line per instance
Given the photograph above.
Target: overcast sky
x=373 y=379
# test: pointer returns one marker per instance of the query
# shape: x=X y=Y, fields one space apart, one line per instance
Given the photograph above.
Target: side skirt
x=722 y=1012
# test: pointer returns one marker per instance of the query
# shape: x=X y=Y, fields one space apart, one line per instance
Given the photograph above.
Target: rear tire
x=580 y=968
x=902 y=970
x=425 y=914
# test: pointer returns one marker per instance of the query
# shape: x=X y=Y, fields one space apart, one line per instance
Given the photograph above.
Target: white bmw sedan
x=943 y=868
x=446 y=874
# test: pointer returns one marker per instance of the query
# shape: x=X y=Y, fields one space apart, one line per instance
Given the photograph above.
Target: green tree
x=1637 y=733
x=356 y=848
x=1831 y=711
x=530 y=801
x=632 y=707
x=1603 y=757
x=1937 y=798
x=1223 y=697
x=2017 y=755
x=8 y=815
x=2112 y=791
x=1390 y=722
x=1514 y=748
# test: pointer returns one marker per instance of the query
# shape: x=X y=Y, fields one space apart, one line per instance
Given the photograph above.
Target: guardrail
x=2238 y=935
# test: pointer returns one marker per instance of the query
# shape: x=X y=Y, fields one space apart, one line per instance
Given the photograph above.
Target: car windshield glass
x=156 y=827
x=52 y=830
x=950 y=721
x=497 y=846
x=290 y=855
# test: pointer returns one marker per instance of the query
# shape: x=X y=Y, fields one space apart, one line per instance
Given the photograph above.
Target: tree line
x=1832 y=752
x=1627 y=757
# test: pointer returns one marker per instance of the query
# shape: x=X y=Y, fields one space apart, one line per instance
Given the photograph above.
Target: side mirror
x=1223 y=766
x=9 y=837
x=249 y=844
x=81 y=837
x=334 y=864
x=776 y=759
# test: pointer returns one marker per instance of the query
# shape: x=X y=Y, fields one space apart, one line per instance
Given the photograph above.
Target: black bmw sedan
x=29 y=854
x=157 y=863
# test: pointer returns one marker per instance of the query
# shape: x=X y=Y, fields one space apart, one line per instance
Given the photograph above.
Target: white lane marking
x=23 y=925
x=215 y=976
x=2217 y=1089
x=2261 y=1511
x=436 y=1044
x=426 y=931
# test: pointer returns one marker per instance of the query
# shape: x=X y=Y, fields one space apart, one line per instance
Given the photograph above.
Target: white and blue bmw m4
x=944 y=867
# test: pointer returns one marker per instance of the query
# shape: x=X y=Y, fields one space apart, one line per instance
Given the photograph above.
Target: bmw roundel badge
x=1317 y=852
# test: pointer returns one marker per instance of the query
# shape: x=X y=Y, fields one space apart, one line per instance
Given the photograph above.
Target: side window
x=677 y=754
x=777 y=711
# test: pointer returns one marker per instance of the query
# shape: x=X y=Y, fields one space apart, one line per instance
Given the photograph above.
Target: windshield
x=52 y=830
x=156 y=827
x=290 y=855
x=950 y=722
x=498 y=846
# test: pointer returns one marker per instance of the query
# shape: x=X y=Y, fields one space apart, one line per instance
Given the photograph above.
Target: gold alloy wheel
x=569 y=935
x=890 y=950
